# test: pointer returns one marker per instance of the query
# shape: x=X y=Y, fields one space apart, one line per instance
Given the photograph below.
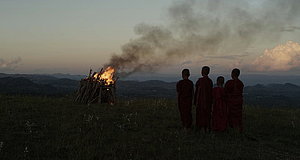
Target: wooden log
x=93 y=91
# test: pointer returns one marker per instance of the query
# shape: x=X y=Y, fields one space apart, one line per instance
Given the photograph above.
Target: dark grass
x=56 y=128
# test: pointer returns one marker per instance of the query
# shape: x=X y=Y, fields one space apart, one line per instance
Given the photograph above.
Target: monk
x=185 y=91
x=203 y=100
x=234 y=98
x=219 y=113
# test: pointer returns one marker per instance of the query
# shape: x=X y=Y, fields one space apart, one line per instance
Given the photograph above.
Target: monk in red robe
x=234 y=98
x=185 y=91
x=203 y=100
x=219 y=113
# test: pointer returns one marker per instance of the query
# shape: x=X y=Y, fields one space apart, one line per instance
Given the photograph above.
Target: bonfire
x=98 y=87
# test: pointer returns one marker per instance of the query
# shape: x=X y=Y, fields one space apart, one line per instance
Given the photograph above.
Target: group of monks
x=217 y=107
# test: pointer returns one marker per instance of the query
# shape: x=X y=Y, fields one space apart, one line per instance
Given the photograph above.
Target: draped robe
x=234 y=100
x=203 y=102
x=185 y=91
x=219 y=113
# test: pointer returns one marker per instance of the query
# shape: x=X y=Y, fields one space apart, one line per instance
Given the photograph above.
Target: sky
x=70 y=36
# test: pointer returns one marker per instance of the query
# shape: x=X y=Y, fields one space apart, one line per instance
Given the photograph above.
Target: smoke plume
x=205 y=27
x=7 y=65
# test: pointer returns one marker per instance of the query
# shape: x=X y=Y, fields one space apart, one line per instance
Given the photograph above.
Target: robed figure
x=203 y=100
x=185 y=91
x=219 y=110
x=234 y=98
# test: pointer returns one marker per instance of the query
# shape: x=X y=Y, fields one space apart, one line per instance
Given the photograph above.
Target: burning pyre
x=98 y=87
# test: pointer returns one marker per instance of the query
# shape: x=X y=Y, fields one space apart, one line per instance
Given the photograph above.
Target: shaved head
x=205 y=70
x=220 y=80
x=185 y=72
x=235 y=72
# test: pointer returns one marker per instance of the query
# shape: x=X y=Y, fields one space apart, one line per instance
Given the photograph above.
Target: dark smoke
x=205 y=27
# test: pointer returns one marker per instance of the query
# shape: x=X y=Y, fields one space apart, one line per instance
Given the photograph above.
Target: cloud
x=9 y=65
x=229 y=57
x=290 y=29
x=283 y=57
x=186 y=63
x=205 y=28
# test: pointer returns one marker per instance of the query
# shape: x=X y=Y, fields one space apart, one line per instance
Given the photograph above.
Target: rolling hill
x=262 y=95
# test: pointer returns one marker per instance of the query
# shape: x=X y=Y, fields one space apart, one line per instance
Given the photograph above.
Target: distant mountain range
x=248 y=79
x=287 y=94
x=22 y=85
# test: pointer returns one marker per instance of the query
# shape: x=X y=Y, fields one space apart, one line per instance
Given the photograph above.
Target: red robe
x=203 y=102
x=185 y=91
x=234 y=99
x=219 y=113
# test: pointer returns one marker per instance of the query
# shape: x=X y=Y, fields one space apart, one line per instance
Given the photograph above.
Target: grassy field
x=56 y=128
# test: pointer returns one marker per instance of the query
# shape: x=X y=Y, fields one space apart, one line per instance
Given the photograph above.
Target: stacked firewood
x=93 y=90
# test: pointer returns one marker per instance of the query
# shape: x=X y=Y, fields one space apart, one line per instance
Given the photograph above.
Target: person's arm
x=226 y=90
x=192 y=90
x=196 y=94
x=242 y=90
x=214 y=96
x=177 y=87
x=210 y=91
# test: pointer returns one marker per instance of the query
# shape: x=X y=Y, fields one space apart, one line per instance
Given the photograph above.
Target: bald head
x=235 y=73
x=220 y=80
x=205 y=71
x=185 y=73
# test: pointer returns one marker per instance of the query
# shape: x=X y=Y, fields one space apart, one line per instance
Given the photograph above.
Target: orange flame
x=106 y=76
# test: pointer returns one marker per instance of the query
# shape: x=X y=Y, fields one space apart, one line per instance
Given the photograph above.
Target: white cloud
x=283 y=57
